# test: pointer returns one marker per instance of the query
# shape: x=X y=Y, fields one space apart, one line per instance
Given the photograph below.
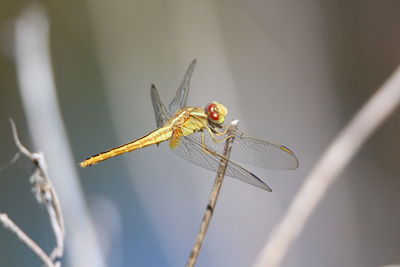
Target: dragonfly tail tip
x=84 y=164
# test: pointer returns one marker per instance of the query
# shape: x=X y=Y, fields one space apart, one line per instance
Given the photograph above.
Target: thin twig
x=212 y=200
x=10 y=225
x=46 y=195
x=328 y=168
x=11 y=162
x=18 y=143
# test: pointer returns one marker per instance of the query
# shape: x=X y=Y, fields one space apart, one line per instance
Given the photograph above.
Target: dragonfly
x=197 y=135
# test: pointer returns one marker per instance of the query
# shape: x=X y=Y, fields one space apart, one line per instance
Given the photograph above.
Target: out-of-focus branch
x=328 y=168
x=11 y=162
x=45 y=195
x=39 y=100
x=10 y=225
x=212 y=200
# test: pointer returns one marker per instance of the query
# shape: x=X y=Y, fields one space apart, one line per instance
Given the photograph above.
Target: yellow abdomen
x=155 y=137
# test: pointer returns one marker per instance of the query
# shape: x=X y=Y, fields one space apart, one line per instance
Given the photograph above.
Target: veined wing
x=191 y=150
x=160 y=111
x=180 y=98
x=263 y=153
x=254 y=151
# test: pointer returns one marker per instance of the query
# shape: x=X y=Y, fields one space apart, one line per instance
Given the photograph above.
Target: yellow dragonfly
x=198 y=134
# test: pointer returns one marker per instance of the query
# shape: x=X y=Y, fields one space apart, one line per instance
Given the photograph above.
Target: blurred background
x=293 y=72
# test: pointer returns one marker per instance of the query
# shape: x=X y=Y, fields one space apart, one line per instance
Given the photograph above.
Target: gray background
x=291 y=71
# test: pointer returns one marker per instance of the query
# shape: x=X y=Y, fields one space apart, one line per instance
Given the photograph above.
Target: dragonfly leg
x=204 y=147
x=218 y=134
x=207 y=150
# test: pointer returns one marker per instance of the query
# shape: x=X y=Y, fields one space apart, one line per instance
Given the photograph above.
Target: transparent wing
x=180 y=98
x=191 y=149
x=160 y=111
x=254 y=151
x=264 y=154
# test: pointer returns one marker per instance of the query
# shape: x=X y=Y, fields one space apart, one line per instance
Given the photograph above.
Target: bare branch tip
x=18 y=143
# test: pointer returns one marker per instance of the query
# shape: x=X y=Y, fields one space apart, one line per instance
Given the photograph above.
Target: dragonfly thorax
x=216 y=113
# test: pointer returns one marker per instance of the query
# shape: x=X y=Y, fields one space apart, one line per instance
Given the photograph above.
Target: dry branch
x=327 y=169
x=45 y=195
x=212 y=200
x=10 y=225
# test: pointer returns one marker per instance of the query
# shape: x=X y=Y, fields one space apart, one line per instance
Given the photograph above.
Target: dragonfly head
x=216 y=112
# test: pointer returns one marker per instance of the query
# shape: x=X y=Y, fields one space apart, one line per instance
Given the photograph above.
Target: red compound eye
x=214 y=116
x=211 y=107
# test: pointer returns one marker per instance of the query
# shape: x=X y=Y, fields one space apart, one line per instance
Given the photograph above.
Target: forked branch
x=46 y=195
